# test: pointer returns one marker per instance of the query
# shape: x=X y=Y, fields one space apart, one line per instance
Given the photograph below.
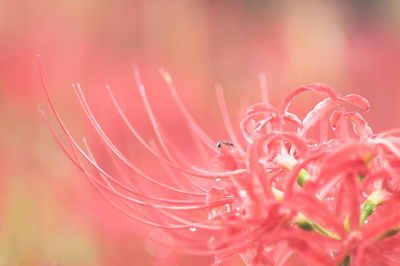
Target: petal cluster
x=277 y=194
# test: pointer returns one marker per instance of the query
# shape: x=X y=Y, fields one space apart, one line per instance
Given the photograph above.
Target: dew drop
x=218 y=179
x=243 y=193
x=193 y=229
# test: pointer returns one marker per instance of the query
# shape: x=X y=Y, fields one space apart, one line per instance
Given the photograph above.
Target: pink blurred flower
x=322 y=190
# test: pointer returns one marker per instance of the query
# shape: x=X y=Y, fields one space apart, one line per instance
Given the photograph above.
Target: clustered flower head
x=275 y=195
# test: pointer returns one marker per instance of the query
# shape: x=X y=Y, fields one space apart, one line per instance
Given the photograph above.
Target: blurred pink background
x=50 y=215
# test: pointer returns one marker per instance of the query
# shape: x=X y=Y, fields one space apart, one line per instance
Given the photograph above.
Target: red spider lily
x=274 y=196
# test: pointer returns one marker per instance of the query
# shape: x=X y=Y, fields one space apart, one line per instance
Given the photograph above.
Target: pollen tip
x=227 y=143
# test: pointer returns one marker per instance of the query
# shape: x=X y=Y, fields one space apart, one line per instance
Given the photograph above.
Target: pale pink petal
x=319 y=88
x=357 y=100
x=360 y=126
x=318 y=113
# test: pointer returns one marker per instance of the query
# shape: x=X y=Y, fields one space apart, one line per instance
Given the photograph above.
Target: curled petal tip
x=358 y=101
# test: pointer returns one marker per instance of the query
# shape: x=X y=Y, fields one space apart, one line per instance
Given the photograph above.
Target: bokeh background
x=49 y=213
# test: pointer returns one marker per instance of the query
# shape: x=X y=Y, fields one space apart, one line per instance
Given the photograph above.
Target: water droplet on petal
x=193 y=229
x=218 y=179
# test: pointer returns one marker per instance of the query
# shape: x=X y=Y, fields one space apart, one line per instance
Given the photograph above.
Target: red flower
x=276 y=195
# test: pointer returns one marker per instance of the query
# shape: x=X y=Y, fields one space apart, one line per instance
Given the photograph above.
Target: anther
x=227 y=143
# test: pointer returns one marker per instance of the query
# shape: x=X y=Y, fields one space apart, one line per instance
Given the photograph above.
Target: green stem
x=390 y=233
x=377 y=197
x=367 y=209
x=346 y=261
x=308 y=225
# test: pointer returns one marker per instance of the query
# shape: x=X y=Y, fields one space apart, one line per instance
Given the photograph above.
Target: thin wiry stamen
x=262 y=78
x=202 y=174
x=174 y=176
x=80 y=150
x=164 y=210
x=133 y=200
x=225 y=116
x=134 y=132
x=138 y=194
x=190 y=121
